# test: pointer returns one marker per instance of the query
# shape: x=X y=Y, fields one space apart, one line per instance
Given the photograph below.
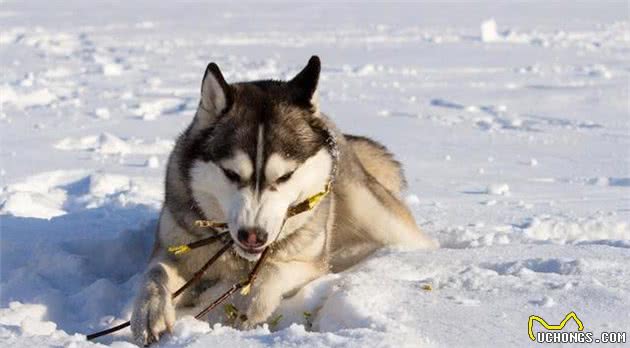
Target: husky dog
x=252 y=151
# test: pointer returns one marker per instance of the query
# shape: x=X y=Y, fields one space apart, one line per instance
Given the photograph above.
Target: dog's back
x=378 y=162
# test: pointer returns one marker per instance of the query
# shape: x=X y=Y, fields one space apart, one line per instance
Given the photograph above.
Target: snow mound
x=574 y=230
x=26 y=99
x=489 y=31
x=109 y=144
x=56 y=193
x=150 y=110
x=498 y=189
x=34 y=204
x=27 y=322
x=152 y=162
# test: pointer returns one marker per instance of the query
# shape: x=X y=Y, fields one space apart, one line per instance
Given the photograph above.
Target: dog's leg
x=275 y=280
x=201 y=300
x=154 y=311
x=383 y=217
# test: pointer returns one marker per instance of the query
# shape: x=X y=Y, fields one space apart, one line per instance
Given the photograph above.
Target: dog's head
x=257 y=149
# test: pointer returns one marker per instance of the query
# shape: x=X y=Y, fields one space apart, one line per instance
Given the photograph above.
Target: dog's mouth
x=250 y=250
x=249 y=254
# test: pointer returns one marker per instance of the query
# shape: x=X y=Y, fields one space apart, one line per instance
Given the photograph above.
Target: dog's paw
x=260 y=309
x=153 y=314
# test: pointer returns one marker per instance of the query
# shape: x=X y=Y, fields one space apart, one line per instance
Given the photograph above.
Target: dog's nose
x=252 y=237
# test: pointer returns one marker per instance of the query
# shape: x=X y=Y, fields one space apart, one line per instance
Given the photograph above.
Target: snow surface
x=511 y=120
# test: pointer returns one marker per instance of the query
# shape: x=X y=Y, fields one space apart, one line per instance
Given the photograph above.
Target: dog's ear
x=304 y=84
x=216 y=94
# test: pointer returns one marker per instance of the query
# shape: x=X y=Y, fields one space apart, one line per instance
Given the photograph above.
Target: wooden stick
x=184 y=248
x=252 y=276
x=204 y=268
x=192 y=280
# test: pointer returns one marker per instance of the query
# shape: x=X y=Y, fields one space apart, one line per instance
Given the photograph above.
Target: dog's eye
x=231 y=175
x=284 y=178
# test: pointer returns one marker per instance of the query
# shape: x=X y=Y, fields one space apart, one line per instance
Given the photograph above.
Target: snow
x=111 y=69
x=489 y=31
x=153 y=162
x=511 y=121
x=102 y=113
x=498 y=189
x=40 y=97
x=107 y=143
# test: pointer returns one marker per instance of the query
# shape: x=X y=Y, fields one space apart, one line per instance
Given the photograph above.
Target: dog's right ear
x=216 y=94
x=304 y=84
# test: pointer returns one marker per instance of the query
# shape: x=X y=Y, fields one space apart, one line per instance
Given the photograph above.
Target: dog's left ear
x=304 y=85
x=216 y=94
x=216 y=98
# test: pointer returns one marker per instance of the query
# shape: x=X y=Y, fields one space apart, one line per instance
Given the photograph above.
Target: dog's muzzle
x=252 y=239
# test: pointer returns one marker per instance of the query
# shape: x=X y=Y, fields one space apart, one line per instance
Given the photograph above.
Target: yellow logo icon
x=532 y=318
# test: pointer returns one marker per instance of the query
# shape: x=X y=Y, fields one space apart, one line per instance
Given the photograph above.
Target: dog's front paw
x=260 y=309
x=153 y=313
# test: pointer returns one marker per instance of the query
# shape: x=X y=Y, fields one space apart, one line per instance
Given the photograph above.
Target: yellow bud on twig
x=180 y=249
x=245 y=290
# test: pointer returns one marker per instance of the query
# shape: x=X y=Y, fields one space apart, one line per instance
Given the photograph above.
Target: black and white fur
x=253 y=150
